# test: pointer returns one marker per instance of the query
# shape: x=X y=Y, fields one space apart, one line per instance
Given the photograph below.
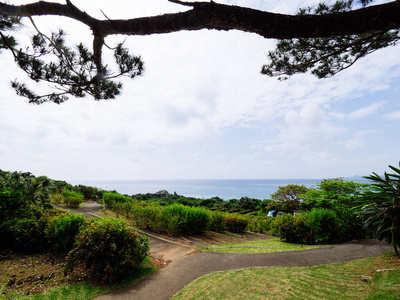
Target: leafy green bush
x=109 y=199
x=379 y=207
x=191 y=220
x=62 y=230
x=89 y=191
x=149 y=216
x=57 y=198
x=72 y=198
x=319 y=225
x=26 y=232
x=108 y=250
x=294 y=229
x=217 y=222
x=324 y=224
x=13 y=202
x=235 y=222
x=351 y=226
x=259 y=224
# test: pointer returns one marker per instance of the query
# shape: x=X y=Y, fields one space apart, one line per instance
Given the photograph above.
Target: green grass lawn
x=334 y=281
x=259 y=246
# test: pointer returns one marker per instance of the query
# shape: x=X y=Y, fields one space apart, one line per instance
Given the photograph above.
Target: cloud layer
x=203 y=110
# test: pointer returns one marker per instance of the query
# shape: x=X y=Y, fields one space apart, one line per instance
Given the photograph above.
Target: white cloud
x=362 y=112
x=202 y=110
x=395 y=115
x=308 y=124
x=357 y=141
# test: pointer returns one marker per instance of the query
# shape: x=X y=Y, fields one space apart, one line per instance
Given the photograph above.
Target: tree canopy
x=324 y=39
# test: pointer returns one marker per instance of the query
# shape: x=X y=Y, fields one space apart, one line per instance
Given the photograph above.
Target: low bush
x=259 y=224
x=107 y=250
x=57 y=198
x=217 y=222
x=294 y=229
x=62 y=230
x=149 y=216
x=235 y=223
x=324 y=224
x=26 y=231
x=72 y=198
x=109 y=199
x=351 y=226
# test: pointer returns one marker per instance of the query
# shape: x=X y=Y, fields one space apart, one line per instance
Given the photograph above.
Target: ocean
x=203 y=189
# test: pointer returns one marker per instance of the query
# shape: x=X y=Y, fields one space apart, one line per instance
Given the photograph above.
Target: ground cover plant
x=333 y=281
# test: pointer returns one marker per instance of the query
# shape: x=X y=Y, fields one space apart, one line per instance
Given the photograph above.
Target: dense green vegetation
x=29 y=223
x=107 y=250
x=379 y=207
x=307 y=211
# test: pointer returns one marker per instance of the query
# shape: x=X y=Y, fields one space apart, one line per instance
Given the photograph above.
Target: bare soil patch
x=34 y=274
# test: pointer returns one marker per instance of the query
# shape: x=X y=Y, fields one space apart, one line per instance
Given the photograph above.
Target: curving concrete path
x=183 y=264
x=167 y=281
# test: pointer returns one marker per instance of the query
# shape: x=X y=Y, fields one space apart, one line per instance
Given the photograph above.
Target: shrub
x=109 y=199
x=217 y=222
x=57 y=198
x=107 y=249
x=259 y=224
x=149 y=216
x=235 y=222
x=351 y=226
x=324 y=224
x=62 y=230
x=191 y=220
x=294 y=229
x=13 y=202
x=89 y=191
x=26 y=232
x=71 y=198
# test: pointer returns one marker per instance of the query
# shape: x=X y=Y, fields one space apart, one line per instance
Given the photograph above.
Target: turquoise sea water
x=225 y=189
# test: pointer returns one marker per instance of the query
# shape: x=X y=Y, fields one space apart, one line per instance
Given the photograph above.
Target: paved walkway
x=167 y=281
x=185 y=264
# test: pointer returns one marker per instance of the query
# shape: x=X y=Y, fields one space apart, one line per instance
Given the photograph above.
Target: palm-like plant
x=379 y=207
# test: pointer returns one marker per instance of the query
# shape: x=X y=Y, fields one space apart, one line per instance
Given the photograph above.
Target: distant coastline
x=205 y=188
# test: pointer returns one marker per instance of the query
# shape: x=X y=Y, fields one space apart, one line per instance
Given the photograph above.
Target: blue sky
x=202 y=110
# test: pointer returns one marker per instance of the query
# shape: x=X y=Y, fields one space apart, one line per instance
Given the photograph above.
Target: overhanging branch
x=211 y=15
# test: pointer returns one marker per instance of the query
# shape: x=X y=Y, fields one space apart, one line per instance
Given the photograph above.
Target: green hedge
x=63 y=229
x=72 y=198
x=235 y=222
x=109 y=199
x=294 y=229
x=191 y=220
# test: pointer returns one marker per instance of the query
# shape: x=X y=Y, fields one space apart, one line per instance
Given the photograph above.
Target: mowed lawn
x=259 y=246
x=333 y=281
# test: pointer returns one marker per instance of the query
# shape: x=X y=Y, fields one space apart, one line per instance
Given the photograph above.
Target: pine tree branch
x=211 y=15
